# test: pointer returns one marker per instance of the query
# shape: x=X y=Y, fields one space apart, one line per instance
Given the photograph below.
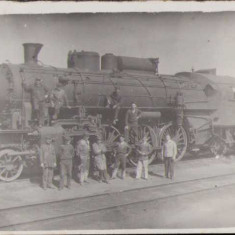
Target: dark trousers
x=53 y=114
x=47 y=176
x=103 y=175
x=169 y=167
x=133 y=129
x=120 y=162
x=84 y=168
x=38 y=113
x=65 y=171
x=116 y=112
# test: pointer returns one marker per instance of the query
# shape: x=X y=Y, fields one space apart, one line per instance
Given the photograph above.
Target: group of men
x=66 y=157
x=57 y=98
x=84 y=153
x=83 y=150
x=40 y=95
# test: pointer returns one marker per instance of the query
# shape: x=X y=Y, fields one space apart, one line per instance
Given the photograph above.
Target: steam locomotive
x=195 y=108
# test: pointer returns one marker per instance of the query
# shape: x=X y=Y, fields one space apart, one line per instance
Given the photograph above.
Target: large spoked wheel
x=179 y=135
x=10 y=166
x=135 y=140
x=110 y=136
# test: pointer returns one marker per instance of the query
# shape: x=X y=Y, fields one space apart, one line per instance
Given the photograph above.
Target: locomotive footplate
x=24 y=153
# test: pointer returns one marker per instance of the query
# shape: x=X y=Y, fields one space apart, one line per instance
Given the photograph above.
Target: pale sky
x=180 y=40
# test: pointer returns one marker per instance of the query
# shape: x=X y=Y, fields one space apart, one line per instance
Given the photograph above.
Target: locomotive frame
x=177 y=105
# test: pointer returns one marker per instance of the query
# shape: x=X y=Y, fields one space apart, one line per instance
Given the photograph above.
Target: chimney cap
x=31 y=51
x=32 y=43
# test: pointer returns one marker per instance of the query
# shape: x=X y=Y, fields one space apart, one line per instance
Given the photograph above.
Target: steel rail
x=115 y=206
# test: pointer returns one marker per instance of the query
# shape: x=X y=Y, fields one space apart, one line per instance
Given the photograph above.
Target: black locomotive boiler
x=194 y=108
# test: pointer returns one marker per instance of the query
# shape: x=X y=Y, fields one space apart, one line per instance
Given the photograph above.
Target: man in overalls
x=48 y=163
x=83 y=153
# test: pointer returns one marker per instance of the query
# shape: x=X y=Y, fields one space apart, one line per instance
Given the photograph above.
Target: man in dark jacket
x=58 y=98
x=132 y=117
x=122 y=150
x=38 y=93
x=48 y=163
x=114 y=102
x=66 y=155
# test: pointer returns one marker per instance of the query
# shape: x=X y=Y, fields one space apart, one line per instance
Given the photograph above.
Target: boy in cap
x=48 y=163
x=83 y=153
x=66 y=155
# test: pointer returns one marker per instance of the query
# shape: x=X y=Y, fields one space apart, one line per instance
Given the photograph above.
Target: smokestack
x=31 y=51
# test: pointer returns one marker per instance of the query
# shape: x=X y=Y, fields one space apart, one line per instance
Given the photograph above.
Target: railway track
x=32 y=217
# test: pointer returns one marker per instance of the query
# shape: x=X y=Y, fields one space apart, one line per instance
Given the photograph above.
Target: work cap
x=99 y=137
x=85 y=134
x=66 y=138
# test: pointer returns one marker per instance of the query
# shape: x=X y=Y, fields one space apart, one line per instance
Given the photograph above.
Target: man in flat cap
x=48 y=163
x=58 y=98
x=38 y=93
x=114 y=103
x=169 y=153
x=66 y=155
x=144 y=149
x=121 y=152
x=83 y=154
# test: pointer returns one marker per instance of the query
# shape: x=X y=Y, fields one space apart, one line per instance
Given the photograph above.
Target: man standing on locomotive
x=83 y=153
x=48 y=163
x=169 y=152
x=38 y=93
x=122 y=150
x=66 y=155
x=58 y=98
x=114 y=102
x=132 y=117
x=144 y=150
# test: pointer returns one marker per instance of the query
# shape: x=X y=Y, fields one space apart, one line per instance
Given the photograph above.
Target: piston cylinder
x=151 y=115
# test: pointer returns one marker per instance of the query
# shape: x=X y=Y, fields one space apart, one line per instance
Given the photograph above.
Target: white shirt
x=170 y=149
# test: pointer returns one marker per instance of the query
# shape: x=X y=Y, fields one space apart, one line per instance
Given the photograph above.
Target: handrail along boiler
x=194 y=108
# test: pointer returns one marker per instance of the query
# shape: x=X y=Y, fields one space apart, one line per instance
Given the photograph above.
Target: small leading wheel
x=179 y=135
x=10 y=166
x=143 y=130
